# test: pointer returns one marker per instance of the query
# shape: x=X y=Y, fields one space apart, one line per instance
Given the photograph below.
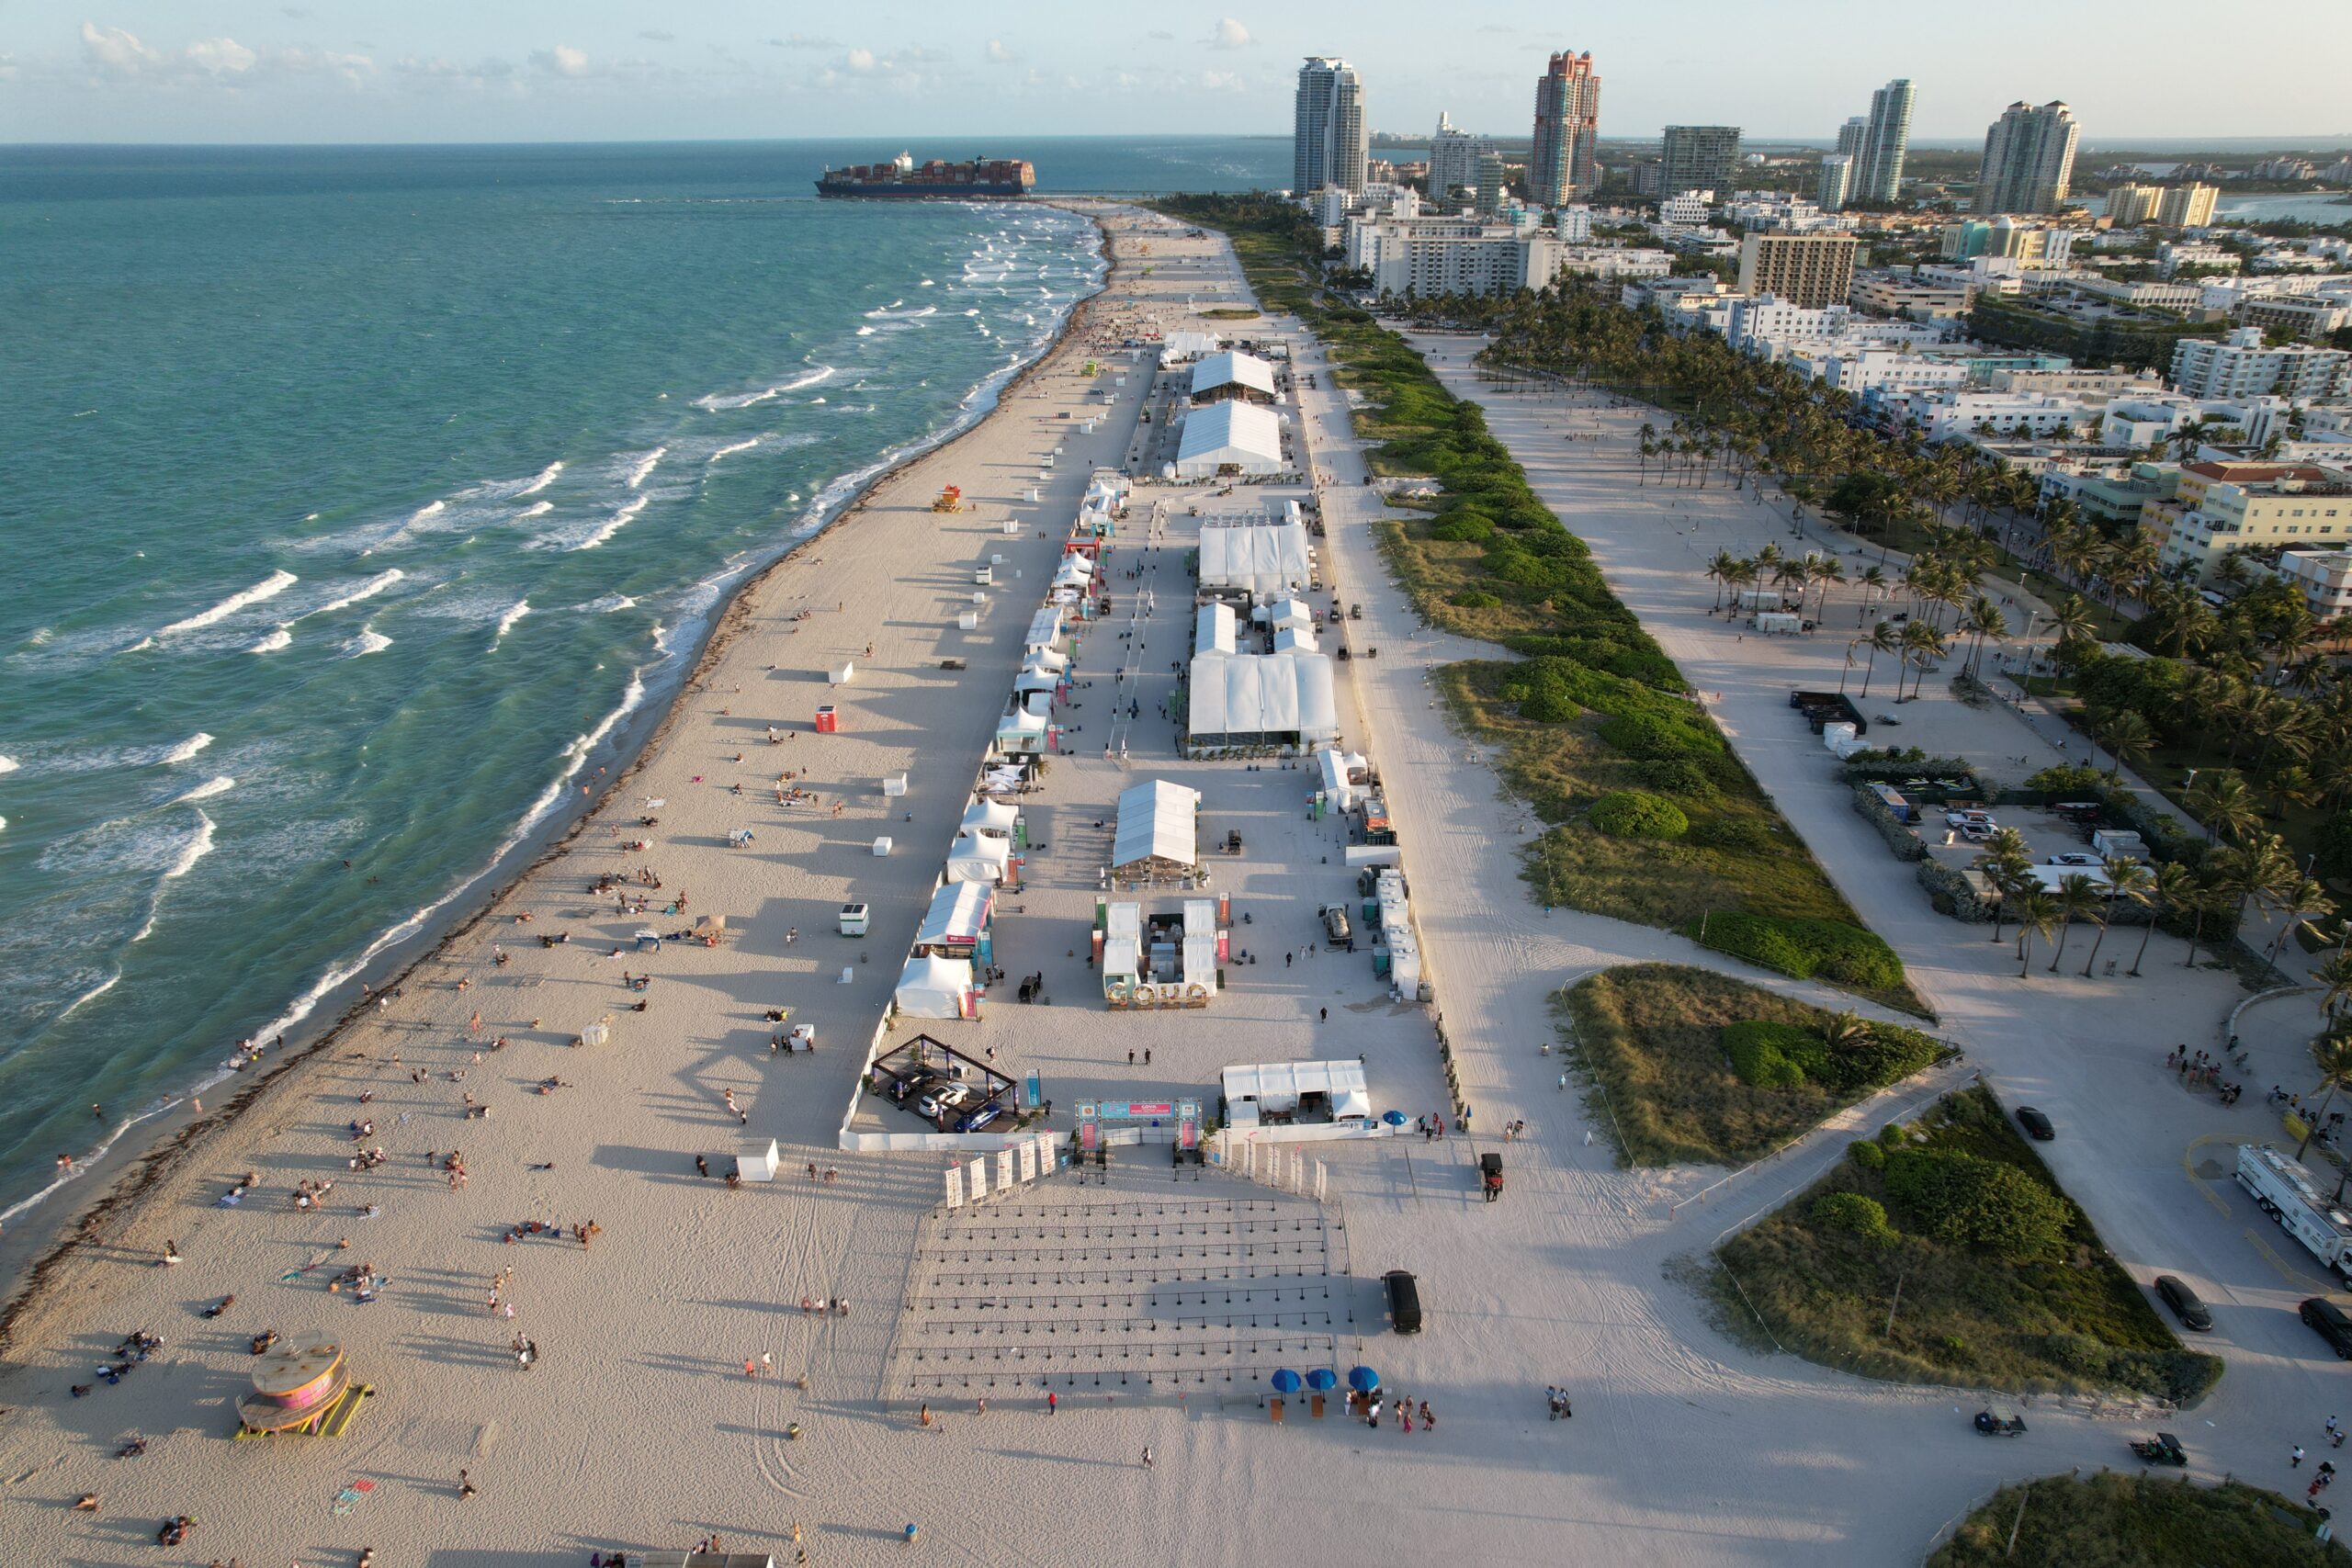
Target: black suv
x=2184 y=1302
x=2333 y=1325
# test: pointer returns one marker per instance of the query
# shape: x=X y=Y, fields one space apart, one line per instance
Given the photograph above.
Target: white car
x=2075 y=858
x=946 y=1098
x=1968 y=819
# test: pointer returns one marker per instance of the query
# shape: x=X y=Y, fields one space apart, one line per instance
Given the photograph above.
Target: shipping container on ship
x=903 y=177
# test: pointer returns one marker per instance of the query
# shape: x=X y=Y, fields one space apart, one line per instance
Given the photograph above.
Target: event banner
x=954 y=1185
x=1027 y=1150
x=980 y=1178
x=1004 y=1170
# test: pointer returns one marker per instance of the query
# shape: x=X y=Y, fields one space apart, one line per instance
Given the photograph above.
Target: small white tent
x=979 y=860
x=958 y=914
x=995 y=817
x=1157 y=829
x=936 y=988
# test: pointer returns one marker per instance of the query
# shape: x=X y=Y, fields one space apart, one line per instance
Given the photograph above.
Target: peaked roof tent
x=1254 y=696
x=1157 y=828
x=959 y=913
x=1262 y=557
x=1213 y=629
x=1233 y=435
x=1243 y=372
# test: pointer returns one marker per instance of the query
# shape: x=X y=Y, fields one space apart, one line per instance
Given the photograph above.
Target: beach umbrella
x=1322 y=1377
x=1393 y=1118
x=1285 y=1381
x=1363 y=1380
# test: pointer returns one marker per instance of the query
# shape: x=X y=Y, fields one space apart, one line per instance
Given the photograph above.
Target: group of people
x=1368 y=1408
x=1557 y=1398
x=2202 y=1071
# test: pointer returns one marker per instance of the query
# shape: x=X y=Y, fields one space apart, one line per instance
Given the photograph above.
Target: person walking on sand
x=1052 y=1401
x=1147 y=1458
x=2295 y=1460
x=465 y=1487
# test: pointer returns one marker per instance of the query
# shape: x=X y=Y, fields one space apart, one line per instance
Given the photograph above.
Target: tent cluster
x=1167 y=964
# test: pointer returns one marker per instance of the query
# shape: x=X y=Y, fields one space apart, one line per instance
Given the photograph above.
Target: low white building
x=1230 y=437
x=1573 y=225
x=2323 y=577
x=1233 y=374
x=1860 y=371
x=2243 y=365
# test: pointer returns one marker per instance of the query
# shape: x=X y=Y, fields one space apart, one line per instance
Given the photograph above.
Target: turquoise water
x=356 y=500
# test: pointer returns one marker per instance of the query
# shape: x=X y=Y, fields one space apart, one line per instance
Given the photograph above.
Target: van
x=1405 y=1301
x=2334 y=1327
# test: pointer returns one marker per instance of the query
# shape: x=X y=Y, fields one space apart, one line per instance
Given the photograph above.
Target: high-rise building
x=2129 y=206
x=2186 y=207
x=1328 y=146
x=1494 y=184
x=1567 y=130
x=1807 y=270
x=2028 y=159
x=1699 y=157
x=1851 y=135
x=1837 y=186
x=1886 y=137
x=1453 y=159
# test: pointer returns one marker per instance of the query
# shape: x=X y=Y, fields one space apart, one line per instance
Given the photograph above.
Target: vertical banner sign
x=1188 y=1125
x=1004 y=1170
x=979 y=1169
x=954 y=1185
x=1320 y=1174
x=1036 y=1091
x=1298 y=1172
x=1044 y=1154
x=1248 y=1159
x=1027 y=1149
x=1089 y=1130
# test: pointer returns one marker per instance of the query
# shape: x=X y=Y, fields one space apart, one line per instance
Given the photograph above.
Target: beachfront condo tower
x=1567 y=131
x=1328 y=137
x=2029 y=160
x=1885 y=138
x=1453 y=160
x=1699 y=157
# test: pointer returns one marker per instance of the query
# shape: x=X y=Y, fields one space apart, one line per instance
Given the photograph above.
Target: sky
x=254 y=70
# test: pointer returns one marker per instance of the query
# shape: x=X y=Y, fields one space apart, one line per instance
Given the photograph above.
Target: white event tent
x=1241 y=699
x=936 y=988
x=1229 y=437
x=1262 y=557
x=1158 y=832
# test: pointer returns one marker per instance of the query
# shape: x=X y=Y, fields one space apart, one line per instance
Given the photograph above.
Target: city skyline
x=250 y=70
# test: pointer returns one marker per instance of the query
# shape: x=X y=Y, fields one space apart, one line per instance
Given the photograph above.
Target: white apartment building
x=1454 y=158
x=1758 y=324
x=2241 y=365
x=2174 y=254
x=1612 y=262
x=1862 y=371
x=2147 y=293
x=1790 y=214
x=1967 y=414
x=1688 y=211
x=1573 y=225
x=2323 y=577
x=1430 y=256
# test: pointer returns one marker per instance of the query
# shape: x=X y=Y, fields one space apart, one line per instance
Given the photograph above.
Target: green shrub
x=1741 y=833
x=1645 y=735
x=1856 y=1214
x=1631 y=814
x=1879 y=1056
x=1968 y=1200
x=1805 y=948
x=1548 y=707
x=1765 y=1054
x=1473 y=599
x=1867 y=1154
x=1673 y=775
x=1465 y=526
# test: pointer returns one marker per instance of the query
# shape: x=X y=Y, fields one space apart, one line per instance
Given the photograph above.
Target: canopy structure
x=1200 y=961
x=1301 y=1090
x=958 y=914
x=1296 y=639
x=979 y=860
x=1230 y=438
x=1232 y=375
x=1023 y=729
x=1295 y=614
x=1045 y=628
x=932 y=987
x=1107 y=488
x=1343 y=773
x=1213 y=629
x=1179 y=348
x=1262 y=557
x=1035 y=677
x=1242 y=699
x=1158 y=832
x=1200 y=917
x=989 y=816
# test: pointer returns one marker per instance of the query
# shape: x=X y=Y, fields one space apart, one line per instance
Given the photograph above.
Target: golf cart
x=1999 y=1418
x=1490 y=1174
x=2163 y=1449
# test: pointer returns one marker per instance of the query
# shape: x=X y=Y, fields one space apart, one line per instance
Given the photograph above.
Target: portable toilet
x=895 y=784
x=827 y=721
x=881 y=846
x=970 y=621
x=855 y=919
x=840 y=674
x=760 y=1164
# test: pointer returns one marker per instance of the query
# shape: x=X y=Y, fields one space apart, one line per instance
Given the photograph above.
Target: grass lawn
x=1651 y=1034
x=2146 y=1520
x=2068 y=1319
x=1231 y=314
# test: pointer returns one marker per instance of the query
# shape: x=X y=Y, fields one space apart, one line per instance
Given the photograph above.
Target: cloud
x=111 y=49
x=1162 y=35
x=300 y=13
x=1229 y=34
x=655 y=35
x=221 y=56
x=860 y=60
x=1220 y=81
x=119 y=53
x=998 y=54
x=562 y=60
x=804 y=41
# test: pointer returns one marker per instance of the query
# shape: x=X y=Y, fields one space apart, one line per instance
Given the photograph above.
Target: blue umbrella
x=1285 y=1382
x=1322 y=1377
x=1393 y=1118
x=1363 y=1380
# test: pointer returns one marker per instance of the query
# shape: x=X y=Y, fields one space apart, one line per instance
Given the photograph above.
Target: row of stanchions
x=1028 y=1329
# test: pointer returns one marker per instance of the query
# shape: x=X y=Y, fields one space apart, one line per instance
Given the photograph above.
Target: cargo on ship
x=903 y=177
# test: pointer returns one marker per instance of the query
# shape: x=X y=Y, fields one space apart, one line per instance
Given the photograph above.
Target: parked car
x=1977 y=832
x=2037 y=1126
x=2184 y=1302
x=1404 y=1301
x=2075 y=857
x=1964 y=817
x=2334 y=1327
x=944 y=1098
x=980 y=1118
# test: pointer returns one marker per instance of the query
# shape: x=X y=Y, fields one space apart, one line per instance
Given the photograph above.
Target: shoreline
x=25 y=1280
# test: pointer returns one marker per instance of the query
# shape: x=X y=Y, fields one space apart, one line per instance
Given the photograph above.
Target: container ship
x=903 y=177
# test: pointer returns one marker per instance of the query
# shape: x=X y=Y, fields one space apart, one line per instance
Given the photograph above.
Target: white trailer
x=2286 y=1192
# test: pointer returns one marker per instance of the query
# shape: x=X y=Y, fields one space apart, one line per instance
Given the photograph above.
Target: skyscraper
x=2029 y=160
x=1886 y=137
x=1699 y=157
x=1328 y=137
x=1454 y=158
x=1836 y=181
x=1567 y=130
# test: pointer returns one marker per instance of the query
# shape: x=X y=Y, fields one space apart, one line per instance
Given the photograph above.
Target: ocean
x=361 y=506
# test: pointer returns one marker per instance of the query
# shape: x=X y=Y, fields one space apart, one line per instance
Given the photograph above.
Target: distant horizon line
x=2332 y=141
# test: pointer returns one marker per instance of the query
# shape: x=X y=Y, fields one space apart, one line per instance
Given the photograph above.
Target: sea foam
x=221 y=784
x=546 y=477
x=269 y=587
x=186 y=749
x=645 y=465
x=520 y=608
x=715 y=402
x=612 y=524
x=738 y=446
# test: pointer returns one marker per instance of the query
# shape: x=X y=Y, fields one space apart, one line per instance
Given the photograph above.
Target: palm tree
x=2302 y=903
x=2007 y=875
x=1985 y=620
x=2220 y=798
x=1852 y=643
x=1841 y=1030
x=2071 y=620
x=2036 y=915
x=2077 y=895
x=1922 y=644
x=1883 y=638
x=2174 y=886
x=1720 y=570
x=2126 y=878
x=2334 y=975
x=1829 y=572
x=2333 y=1055
x=2126 y=737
